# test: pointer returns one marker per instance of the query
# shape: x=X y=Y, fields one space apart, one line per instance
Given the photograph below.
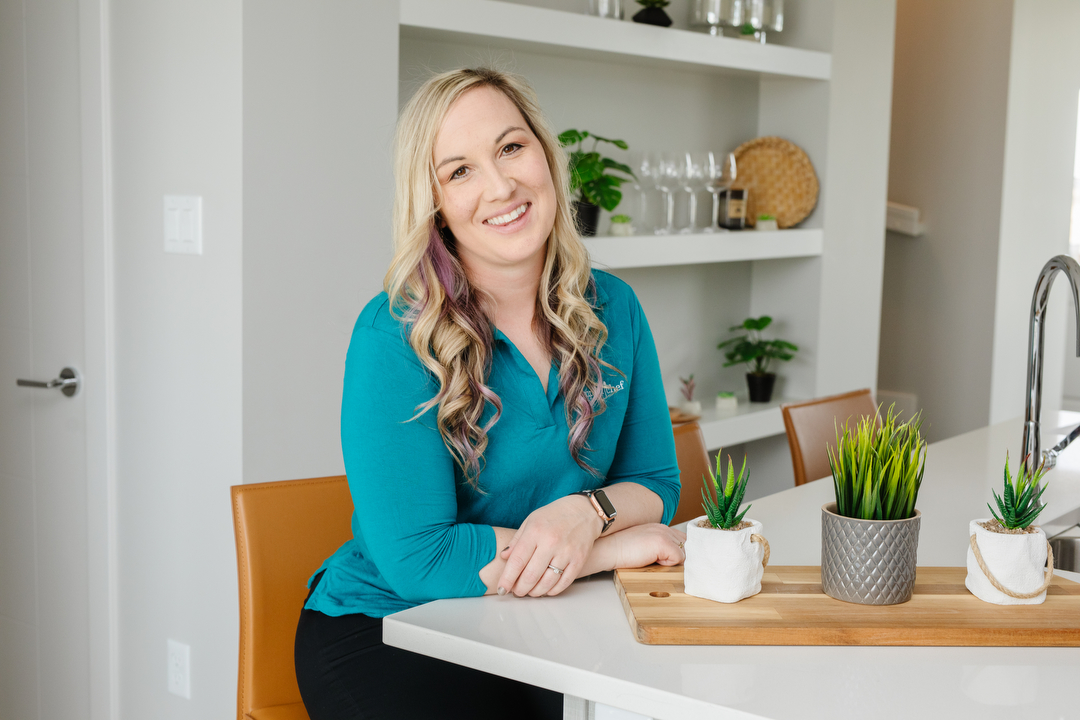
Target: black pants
x=345 y=672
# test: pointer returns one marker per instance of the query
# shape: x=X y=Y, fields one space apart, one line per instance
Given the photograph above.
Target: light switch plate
x=183 y=224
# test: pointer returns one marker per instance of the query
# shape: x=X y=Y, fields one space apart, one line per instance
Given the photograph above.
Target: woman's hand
x=644 y=545
x=560 y=534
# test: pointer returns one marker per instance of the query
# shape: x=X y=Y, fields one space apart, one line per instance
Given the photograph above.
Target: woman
x=492 y=386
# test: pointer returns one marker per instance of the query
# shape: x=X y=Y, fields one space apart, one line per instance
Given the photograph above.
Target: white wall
x=1041 y=116
x=177 y=107
x=320 y=103
x=946 y=158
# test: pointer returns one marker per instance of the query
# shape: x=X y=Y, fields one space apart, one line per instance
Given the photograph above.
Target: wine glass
x=647 y=205
x=720 y=172
x=692 y=182
x=666 y=175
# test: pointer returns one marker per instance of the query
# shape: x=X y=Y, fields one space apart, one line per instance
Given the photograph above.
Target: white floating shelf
x=502 y=24
x=752 y=421
x=657 y=250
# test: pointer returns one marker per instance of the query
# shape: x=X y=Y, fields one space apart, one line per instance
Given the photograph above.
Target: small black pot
x=761 y=386
x=653 y=16
x=587 y=217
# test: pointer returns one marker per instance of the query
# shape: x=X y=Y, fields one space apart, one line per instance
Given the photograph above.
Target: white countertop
x=580 y=642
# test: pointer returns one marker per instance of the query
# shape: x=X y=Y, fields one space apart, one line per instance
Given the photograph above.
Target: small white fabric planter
x=723 y=565
x=1016 y=562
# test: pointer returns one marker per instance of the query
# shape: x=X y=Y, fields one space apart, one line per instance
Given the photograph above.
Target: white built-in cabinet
x=673 y=89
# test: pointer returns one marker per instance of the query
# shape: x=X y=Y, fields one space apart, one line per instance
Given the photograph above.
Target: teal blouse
x=420 y=533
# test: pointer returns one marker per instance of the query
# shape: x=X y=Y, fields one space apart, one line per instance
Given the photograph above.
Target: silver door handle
x=69 y=382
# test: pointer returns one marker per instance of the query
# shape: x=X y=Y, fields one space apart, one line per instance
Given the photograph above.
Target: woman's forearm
x=634 y=505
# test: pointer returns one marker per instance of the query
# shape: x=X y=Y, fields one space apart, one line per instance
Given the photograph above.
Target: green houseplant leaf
x=723 y=493
x=595 y=177
x=754 y=351
x=877 y=467
x=1019 y=501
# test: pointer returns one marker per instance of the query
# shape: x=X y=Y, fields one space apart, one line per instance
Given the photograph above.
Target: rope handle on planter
x=758 y=539
x=993 y=580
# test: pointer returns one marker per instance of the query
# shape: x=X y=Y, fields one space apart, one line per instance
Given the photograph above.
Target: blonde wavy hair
x=444 y=313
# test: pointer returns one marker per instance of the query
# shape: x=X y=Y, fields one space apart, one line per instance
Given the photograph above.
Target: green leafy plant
x=723 y=497
x=747 y=29
x=877 y=467
x=593 y=174
x=753 y=350
x=766 y=217
x=654 y=3
x=620 y=218
x=1019 y=504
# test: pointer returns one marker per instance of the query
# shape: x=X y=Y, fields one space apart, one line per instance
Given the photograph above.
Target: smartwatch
x=602 y=505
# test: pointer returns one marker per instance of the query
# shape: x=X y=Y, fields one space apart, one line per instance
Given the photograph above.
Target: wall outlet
x=179 y=665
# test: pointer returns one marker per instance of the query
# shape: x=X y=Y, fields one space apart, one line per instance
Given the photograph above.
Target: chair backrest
x=693 y=459
x=284 y=531
x=811 y=427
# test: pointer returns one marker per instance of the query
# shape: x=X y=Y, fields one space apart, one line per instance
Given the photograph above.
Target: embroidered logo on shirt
x=608 y=390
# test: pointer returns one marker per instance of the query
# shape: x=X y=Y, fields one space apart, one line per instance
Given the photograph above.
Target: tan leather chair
x=284 y=530
x=811 y=427
x=693 y=458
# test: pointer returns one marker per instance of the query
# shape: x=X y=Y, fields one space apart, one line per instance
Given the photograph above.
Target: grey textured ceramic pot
x=870 y=562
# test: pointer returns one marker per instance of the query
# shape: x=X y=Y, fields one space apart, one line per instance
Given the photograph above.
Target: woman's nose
x=501 y=185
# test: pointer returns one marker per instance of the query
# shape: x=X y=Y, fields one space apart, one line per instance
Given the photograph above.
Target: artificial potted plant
x=689 y=405
x=594 y=177
x=870 y=535
x=621 y=225
x=652 y=13
x=726 y=554
x=757 y=353
x=1007 y=554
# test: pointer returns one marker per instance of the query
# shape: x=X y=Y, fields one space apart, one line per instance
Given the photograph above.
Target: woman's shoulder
x=614 y=295
x=378 y=329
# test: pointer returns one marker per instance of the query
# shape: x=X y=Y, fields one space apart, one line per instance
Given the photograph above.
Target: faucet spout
x=1031 y=452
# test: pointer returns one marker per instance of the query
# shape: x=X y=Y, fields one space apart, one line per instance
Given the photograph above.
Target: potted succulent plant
x=1007 y=554
x=757 y=353
x=689 y=405
x=652 y=13
x=621 y=225
x=726 y=555
x=594 y=177
x=870 y=535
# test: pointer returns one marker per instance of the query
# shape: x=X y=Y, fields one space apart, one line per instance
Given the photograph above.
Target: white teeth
x=508 y=217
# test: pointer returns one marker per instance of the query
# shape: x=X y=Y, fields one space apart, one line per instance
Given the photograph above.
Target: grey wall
x=177 y=108
x=320 y=99
x=946 y=157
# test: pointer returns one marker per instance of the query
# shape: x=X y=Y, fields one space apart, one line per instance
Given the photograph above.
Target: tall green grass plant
x=877 y=467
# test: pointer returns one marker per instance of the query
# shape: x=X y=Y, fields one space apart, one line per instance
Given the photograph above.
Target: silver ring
x=554 y=569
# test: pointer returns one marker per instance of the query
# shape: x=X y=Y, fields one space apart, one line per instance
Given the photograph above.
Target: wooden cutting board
x=792 y=610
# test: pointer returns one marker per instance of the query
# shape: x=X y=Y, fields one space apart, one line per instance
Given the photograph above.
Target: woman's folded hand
x=644 y=545
x=560 y=535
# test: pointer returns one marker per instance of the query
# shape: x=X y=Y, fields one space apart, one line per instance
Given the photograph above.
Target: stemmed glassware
x=666 y=175
x=692 y=177
x=720 y=172
x=717 y=14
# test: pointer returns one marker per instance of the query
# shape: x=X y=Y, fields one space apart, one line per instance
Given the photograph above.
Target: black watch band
x=602 y=505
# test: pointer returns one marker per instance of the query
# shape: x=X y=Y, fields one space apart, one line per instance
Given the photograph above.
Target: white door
x=51 y=536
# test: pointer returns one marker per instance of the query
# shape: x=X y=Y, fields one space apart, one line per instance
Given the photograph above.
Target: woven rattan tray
x=780 y=178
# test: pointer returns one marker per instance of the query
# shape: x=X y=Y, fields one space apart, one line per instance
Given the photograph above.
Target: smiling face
x=498 y=195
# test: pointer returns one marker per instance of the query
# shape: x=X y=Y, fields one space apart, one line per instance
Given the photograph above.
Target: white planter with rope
x=1008 y=568
x=724 y=565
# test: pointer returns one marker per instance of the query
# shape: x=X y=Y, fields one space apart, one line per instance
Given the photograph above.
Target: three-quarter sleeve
x=645 y=451
x=402 y=477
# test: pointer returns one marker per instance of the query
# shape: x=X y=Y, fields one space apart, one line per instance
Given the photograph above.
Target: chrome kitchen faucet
x=1030 y=449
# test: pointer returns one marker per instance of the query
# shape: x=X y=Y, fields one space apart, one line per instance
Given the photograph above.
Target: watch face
x=605 y=504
